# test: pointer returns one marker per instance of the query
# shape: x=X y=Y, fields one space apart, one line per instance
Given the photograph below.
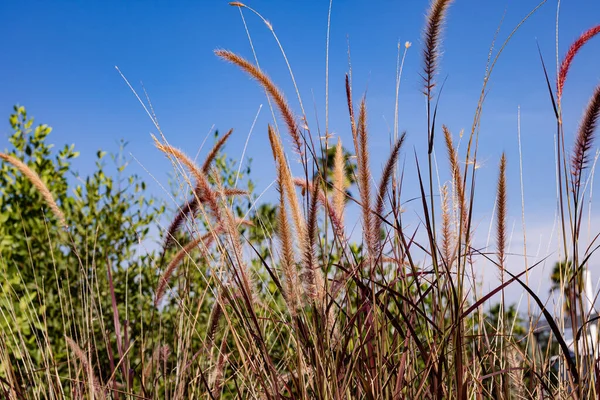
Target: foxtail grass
x=565 y=65
x=272 y=90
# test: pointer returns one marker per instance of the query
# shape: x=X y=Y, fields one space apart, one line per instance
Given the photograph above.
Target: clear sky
x=59 y=61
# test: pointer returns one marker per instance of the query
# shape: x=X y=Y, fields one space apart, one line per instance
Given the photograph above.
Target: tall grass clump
x=286 y=302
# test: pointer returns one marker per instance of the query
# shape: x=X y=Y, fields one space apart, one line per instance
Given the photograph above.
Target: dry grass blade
x=234 y=251
x=160 y=354
x=431 y=38
x=272 y=90
x=87 y=367
x=219 y=371
x=585 y=138
x=189 y=210
x=39 y=185
x=179 y=156
x=571 y=365
x=202 y=242
x=571 y=53
x=501 y=214
x=201 y=182
x=191 y=207
x=215 y=150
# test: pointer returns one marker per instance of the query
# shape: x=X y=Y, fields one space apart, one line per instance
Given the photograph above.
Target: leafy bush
x=58 y=278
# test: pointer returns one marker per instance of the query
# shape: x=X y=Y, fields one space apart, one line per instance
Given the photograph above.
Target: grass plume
x=159 y=355
x=432 y=41
x=214 y=318
x=336 y=220
x=384 y=184
x=189 y=211
x=288 y=262
x=447 y=236
x=457 y=179
x=568 y=59
x=37 y=182
x=312 y=276
x=339 y=180
x=501 y=204
x=585 y=137
x=201 y=181
x=214 y=151
x=272 y=90
x=364 y=178
x=200 y=242
x=287 y=184
x=219 y=370
x=351 y=113
x=95 y=387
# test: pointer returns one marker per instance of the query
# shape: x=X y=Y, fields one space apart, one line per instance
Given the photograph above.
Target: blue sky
x=59 y=57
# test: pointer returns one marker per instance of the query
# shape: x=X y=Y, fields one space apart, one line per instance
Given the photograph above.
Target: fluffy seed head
x=566 y=63
x=432 y=42
x=501 y=213
x=37 y=182
x=339 y=180
x=272 y=90
x=585 y=138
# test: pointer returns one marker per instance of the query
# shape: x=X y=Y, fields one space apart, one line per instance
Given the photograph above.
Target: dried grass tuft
x=201 y=242
x=87 y=367
x=219 y=370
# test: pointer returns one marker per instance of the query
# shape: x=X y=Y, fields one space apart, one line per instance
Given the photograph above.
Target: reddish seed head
x=573 y=50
